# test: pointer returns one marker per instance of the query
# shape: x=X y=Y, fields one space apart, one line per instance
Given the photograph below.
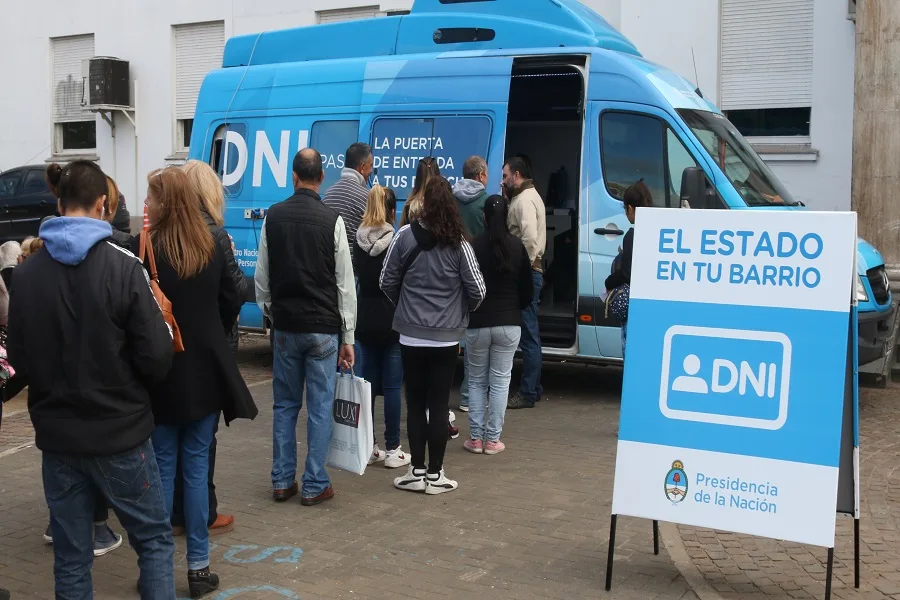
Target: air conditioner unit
x=107 y=81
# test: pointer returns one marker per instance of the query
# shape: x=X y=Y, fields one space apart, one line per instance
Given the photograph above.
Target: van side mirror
x=697 y=191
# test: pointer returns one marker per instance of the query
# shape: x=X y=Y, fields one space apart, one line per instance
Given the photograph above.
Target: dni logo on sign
x=726 y=376
x=346 y=413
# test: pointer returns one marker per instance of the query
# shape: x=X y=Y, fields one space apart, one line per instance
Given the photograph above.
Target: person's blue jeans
x=191 y=441
x=384 y=371
x=310 y=359
x=489 y=353
x=530 y=387
x=131 y=485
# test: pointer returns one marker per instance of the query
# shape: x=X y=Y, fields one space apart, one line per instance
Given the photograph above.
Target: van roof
x=435 y=26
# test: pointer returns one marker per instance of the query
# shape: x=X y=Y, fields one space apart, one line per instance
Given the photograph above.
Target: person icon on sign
x=690 y=383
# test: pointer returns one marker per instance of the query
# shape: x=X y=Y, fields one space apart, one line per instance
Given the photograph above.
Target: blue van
x=549 y=79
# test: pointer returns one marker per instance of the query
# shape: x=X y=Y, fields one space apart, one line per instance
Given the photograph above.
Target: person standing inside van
x=383 y=367
x=87 y=334
x=432 y=277
x=528 y=221
x=471 y=195
x=349 y=195
x=495 y=328
x=304 y=286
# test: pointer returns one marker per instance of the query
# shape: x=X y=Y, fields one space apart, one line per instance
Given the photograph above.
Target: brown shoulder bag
x=149 y=260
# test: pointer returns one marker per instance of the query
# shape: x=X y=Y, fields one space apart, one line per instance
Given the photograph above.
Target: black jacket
x=622 y=274
x=204 y=378
x=375 y=313
x=87 y=334
x=300 y=238
x=508 y=292
x=122 y=221
x=243 y=284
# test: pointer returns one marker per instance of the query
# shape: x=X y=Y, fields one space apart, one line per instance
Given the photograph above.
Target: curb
x=678 y=553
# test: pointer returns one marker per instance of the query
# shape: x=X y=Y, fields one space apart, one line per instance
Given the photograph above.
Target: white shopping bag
x=352 y=437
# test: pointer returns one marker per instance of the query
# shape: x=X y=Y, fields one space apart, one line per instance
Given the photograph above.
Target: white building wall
x=664 y=31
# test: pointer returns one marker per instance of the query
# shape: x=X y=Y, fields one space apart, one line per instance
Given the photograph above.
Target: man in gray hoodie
x=471 y=194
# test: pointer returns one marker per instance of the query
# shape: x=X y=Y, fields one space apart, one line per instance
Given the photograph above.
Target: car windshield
x=752 y=179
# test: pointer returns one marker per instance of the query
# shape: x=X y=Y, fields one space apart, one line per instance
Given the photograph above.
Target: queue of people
x=124 y=343
x=342 y=286
x=141 y=331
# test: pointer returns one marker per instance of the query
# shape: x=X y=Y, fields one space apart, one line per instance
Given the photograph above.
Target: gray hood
x=468 y=190
x=375 y=240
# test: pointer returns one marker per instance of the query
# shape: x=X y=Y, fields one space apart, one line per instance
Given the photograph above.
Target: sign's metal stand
x=612 y=548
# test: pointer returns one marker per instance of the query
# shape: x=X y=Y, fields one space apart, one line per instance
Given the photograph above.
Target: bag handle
x=146 y=252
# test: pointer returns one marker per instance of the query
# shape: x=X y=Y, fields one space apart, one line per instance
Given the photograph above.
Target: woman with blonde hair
x=383 y=367
x=204 y=379
x=208 y=187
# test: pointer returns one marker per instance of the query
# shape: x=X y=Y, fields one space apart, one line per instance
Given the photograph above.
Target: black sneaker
x=519 y=401
x=4 y=594
x=202 y=582
x=454 y=432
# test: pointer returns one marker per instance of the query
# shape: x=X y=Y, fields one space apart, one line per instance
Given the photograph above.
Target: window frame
x=182 y=149
x=59 y=148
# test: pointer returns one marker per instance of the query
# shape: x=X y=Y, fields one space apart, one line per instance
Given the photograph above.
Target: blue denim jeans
x=131 y=486
x=384 y=371
x=300 y=359
x=530 y=387
x=489 y=353
x=191 y=443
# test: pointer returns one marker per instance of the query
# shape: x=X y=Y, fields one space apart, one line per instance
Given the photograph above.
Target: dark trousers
x=429 y=375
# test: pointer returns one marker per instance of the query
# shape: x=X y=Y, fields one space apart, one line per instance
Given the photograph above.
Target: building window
x=346 y=14
x=771 y=122
x=198 y=50
x=74 y=127
x=183 y=135
x=766 y=67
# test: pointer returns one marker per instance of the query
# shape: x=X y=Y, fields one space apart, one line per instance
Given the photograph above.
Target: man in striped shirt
x=349 y=195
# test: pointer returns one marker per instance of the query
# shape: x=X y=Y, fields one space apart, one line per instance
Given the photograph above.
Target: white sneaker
x=413 y=481
x=439 y=484
x=453 y=417
x=396 y=458
x=378 y=455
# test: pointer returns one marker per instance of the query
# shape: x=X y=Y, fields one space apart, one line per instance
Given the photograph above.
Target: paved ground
x=530 y=523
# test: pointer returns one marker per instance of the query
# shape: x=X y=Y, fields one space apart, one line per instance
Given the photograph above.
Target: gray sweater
x=441 y=285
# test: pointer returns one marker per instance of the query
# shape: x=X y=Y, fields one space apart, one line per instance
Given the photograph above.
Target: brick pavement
x=746 y=568
x=530 y=523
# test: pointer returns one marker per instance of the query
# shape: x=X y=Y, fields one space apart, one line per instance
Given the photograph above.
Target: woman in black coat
x=204 y=379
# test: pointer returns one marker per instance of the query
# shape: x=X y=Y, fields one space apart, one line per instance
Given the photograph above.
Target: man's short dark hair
x=519 y=164
x=357 y=155
x=308 y=165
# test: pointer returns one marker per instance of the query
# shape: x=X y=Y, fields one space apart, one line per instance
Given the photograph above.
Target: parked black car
x=25 y=199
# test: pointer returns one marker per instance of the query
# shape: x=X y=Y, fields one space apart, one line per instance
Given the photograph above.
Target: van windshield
x=752 y=179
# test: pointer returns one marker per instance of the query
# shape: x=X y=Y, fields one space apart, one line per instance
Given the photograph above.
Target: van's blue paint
x=329 y=85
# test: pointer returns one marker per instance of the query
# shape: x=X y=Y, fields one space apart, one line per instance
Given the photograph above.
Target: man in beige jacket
x=528 y=222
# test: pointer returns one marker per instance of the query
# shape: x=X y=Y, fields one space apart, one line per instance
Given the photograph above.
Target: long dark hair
x=441 y=213
x=426 y=171
x=495 y=213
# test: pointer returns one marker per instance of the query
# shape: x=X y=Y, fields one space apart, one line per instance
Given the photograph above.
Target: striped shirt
x=349 y=197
